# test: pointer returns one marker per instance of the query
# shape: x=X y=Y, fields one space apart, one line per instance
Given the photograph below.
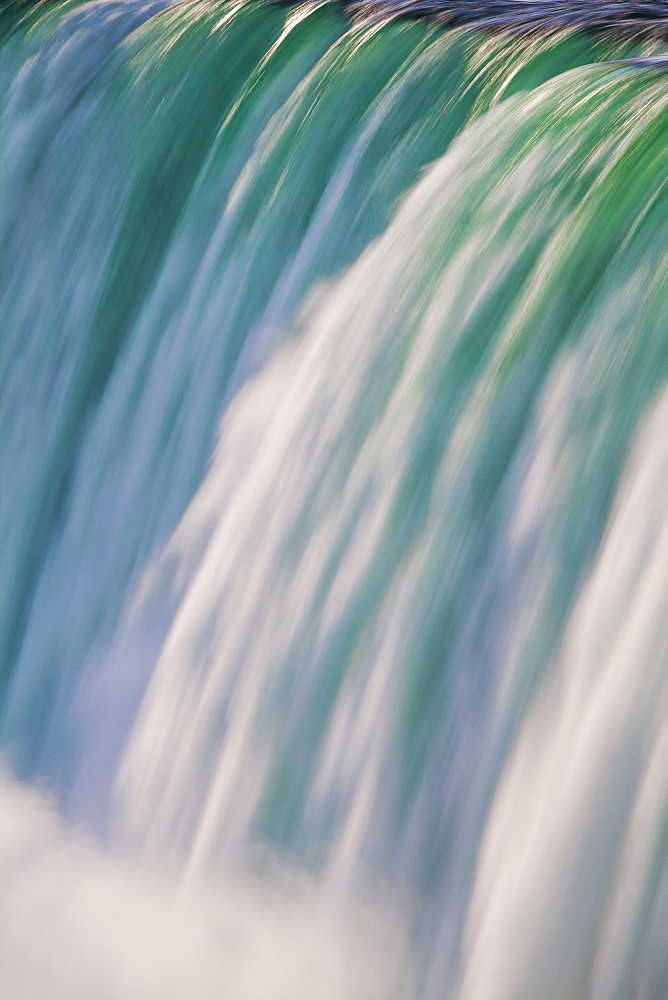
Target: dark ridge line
x=630 y=19
x=644 y=19
x=648 y=20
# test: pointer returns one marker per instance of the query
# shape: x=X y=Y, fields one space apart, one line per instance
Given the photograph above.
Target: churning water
x=334 y=516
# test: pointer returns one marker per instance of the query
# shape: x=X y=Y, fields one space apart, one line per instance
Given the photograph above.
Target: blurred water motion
x=334 y=520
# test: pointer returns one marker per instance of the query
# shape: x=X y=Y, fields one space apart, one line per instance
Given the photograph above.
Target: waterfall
x=334 y=514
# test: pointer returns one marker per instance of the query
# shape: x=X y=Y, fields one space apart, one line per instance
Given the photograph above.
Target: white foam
x=76 y=924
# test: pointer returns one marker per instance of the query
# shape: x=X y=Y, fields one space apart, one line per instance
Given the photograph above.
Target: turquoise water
x=334 y=516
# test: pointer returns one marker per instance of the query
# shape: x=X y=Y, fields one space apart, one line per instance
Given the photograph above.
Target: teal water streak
x=333 y=380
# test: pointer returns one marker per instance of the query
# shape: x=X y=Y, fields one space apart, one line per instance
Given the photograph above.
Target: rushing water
x=334 y=516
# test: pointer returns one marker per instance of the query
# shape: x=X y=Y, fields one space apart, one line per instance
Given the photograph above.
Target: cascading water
x=334 y=516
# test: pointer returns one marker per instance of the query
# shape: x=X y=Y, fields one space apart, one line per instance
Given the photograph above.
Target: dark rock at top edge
x=622 y=17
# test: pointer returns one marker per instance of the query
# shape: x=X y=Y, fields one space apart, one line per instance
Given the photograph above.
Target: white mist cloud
x=76 y=924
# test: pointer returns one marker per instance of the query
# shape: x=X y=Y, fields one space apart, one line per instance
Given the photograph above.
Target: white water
x=581 y=809
x=76 y=923
x=581 y=802
x=365 y=700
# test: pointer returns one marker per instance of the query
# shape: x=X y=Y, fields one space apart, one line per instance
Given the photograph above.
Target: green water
x=334 y=441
